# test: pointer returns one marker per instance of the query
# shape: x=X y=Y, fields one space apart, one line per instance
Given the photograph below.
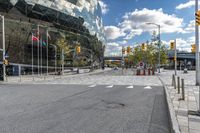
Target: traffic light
x=172 y=45
x=128 y=49
x=78 y=49
x=193 y=48
x=197 y=15
x=143 y=47
x=123 y=50
x=5 y=62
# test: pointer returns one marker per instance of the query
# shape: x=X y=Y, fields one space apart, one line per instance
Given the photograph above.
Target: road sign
x=141 y=64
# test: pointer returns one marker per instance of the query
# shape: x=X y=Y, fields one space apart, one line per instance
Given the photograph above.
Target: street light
x=55 y=48
x=158 y=44
x=3 y=41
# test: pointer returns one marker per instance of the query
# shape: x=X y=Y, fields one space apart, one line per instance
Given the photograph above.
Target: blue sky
x=125 y=22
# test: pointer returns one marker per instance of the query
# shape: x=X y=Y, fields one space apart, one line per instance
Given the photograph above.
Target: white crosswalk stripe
x=130 y=87
x=91 y=86
x=148 y=87
x=110 y=86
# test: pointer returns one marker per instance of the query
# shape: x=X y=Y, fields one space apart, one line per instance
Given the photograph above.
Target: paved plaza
x=187 y=123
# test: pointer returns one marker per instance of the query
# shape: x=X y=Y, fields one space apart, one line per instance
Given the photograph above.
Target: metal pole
x=41 y=57
x=159 y=50
x=32 y=52
x=178 y=83
x=38 y=51
x=175 y=58
x=197 y=46
x=4 y=46
x=62 y=62
x=183 y=89
x=47 y=53
x=55 y=59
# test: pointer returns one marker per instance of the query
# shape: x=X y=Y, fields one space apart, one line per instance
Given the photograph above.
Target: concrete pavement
x=102 y=102
x=82 y=109
x=187 y=123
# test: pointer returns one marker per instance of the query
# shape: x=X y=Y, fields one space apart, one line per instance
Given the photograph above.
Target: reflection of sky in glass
x=90 y=10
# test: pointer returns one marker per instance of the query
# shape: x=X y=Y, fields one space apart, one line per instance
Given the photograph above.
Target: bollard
x=153 y=72
x=149 y=72
x=178 y=84
x=183 y=89
x=172 y=79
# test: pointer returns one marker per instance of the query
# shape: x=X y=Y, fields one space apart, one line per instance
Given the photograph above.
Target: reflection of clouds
x=90 y=10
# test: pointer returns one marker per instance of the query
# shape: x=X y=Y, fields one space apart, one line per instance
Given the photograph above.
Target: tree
x=150 y=55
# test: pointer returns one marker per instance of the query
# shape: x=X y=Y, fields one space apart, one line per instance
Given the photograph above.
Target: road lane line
x=91 y=86
x=110 y=86
x=147 y=87
x=130 y=87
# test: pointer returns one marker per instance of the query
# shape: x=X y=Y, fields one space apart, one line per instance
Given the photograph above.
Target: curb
x=171 y=112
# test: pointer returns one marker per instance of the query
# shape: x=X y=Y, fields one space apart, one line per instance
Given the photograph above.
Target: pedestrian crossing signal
x=123 y=50
x=193 y=48
x=78 y=49
x=172 y=45
x=5 y=62
x=197 y=15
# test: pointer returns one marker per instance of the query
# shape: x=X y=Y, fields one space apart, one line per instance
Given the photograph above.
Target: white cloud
x=113 y=32
x=135 y=22
x=113 y=44
x=185 y=44
x=186 y=5
x=190 y=27
x=113 y=49
x=104 y=7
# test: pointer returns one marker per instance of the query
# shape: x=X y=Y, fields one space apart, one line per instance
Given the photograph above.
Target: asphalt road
x=82 y=109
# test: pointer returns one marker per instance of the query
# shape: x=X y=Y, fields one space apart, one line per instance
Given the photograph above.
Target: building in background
x=72 y=20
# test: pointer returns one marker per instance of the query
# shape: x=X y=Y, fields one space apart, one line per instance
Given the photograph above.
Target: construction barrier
x=144 y=72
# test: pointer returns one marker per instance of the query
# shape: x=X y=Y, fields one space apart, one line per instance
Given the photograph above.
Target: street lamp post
x=55 y=65
x=3 y=41
x=158 y=44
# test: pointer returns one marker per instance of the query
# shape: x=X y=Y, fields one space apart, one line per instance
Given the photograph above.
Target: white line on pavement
x=130 y=87
x=110 y=86
x=147 y=87
x=91 y=86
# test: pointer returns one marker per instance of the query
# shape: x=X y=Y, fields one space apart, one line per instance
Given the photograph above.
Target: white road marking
x=130 y=87
x=91 y=86
x=147 y=87
x=110 y=86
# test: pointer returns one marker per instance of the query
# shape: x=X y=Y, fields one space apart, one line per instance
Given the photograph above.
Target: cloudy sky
x=125 y=22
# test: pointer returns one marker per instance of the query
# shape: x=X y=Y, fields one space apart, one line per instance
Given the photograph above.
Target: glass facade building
x=54 y=20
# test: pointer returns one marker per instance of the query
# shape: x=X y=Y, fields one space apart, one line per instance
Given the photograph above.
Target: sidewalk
x=38 y=78
x=187 y=123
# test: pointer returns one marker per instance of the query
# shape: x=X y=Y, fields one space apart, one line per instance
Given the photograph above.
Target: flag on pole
x=34 y=38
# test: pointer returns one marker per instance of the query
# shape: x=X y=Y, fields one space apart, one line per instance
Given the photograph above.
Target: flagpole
x=41 y=56
x=47 y=53
x=32 y=51
x=38 y=53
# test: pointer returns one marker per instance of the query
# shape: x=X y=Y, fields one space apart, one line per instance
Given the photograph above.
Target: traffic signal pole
x=175 y=57
x=4 y=51
x=197 y=45
x=191 y=112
